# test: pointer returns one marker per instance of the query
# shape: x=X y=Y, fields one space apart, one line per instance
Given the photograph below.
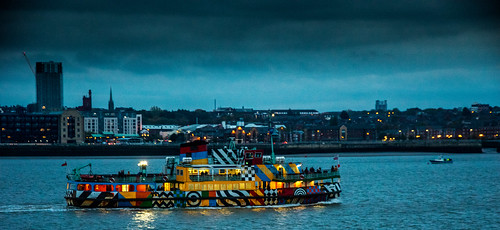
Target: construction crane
x=29 y=63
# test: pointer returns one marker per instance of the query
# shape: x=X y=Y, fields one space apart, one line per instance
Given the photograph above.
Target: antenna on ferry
x=271 y=132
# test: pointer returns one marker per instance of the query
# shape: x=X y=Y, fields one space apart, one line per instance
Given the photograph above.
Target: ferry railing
x=115 y=178
x=200 y=178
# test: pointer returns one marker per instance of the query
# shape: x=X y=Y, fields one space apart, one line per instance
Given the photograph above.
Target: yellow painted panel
x=128 y=195
x=200 y=161
x=249 y=186
x=205 y=203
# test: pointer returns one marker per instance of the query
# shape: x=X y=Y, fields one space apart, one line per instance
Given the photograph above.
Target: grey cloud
x=237 y=40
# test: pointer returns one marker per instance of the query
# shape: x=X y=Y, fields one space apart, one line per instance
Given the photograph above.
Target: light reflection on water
x=145 y=219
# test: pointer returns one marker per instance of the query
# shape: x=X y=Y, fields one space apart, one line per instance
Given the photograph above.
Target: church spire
x=111 y=104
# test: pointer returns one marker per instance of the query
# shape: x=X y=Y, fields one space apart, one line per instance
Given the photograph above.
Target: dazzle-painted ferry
x=226 y=177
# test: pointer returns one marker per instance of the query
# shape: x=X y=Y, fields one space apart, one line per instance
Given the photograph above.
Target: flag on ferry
x=64 y=164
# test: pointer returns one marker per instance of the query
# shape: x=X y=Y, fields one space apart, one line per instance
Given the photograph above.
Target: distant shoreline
x=299 y=149
x=325 y=155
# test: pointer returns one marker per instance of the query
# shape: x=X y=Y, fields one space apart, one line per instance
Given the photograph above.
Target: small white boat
x=441 y=160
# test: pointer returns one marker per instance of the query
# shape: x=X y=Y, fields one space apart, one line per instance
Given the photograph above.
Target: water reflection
x=144 y=219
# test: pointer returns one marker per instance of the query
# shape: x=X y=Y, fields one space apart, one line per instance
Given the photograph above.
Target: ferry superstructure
x=238 y=178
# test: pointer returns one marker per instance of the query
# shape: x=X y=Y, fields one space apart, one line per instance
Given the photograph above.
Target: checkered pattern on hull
x=248 y=173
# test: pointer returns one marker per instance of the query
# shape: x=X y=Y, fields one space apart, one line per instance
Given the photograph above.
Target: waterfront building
x=49 y=86
x=381 y=105
x=22 y=127
x=160 y=131
x=478 y=108
x=294 y=112
x=41 y=127
x=119 y=121
x=110 y=125
x=130 y=125
x=91 y=124
x=71 y=129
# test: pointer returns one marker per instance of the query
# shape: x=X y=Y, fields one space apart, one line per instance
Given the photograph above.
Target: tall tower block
x=49 y=86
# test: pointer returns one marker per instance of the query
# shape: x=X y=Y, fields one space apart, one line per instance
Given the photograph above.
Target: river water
x=378 y=192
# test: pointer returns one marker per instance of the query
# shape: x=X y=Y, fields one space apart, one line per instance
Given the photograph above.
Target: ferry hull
x=222 y=198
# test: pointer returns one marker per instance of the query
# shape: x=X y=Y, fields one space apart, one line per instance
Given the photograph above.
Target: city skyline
x=329 y=56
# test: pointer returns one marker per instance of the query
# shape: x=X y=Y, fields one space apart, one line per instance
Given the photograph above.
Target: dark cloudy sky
x=324 y=55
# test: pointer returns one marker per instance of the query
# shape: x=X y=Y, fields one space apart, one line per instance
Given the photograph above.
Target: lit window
x=103 y=188
x=142 y=187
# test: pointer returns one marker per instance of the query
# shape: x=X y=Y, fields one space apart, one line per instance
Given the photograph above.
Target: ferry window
x=280 y=184
x=204 y=187
x=197 y=187
x=182 y=172
x=223 y=187
x=177 y=172
x=191 y=187
x=297 y=184
x=166 y=186
x=273 y=185
x=216 y=187
x=229 y=187
x=142 y=187
x=222 y=171
x=242 y=185
x=110 y=188
x=181 y=186
x=249 y=155
x=72 y=186
x=125 y=188
x=100 y=188
x=210 y=187
x=248 y=186
x=87 y=187
x=258 y=155
x=80 y=187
